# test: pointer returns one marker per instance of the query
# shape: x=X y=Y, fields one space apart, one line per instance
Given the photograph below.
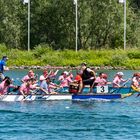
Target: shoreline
x=68 y=67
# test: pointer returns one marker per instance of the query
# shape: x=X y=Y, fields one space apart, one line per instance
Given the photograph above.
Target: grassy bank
x=42 y=56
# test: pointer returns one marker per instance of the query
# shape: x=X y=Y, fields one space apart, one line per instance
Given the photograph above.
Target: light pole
x=28 y=25
x=76 y=25
x=28 y=1
x=124 y=24
x=124 y=2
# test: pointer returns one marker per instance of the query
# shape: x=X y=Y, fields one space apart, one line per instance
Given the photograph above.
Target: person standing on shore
x=3 y=67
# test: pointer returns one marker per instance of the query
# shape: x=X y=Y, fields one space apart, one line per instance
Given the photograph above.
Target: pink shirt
x=26 y=89
x=69 y=79
x=52 y=85
x=135 y=82
x=64 y=81
x=4 y=89
x=117 y=81
x=71 y=75
x=25 y=78
x=100 y=81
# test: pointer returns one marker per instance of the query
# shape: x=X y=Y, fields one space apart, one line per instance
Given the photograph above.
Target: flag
x=121 y=1
x=75 y=2
x=25 y=1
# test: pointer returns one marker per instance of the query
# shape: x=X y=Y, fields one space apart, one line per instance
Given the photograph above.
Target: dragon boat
x=99 y=93
x=50 y=97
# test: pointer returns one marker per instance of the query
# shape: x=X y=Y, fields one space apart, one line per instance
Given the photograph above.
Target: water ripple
x=82 y=120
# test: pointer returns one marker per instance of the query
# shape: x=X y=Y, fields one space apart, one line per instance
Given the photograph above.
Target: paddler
x=88 y=76
x=118 y=79
x=5 y=85
x=135 y=82
x=101 y=80
x=46 y=86
x=53 y=74
x=78 y=80
x=26 y=88
x=65 y=79
x=30 y=75
x=45 y=74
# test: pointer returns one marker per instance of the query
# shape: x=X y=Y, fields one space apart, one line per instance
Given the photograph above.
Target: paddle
x=15 y=89
x=46 y=92
x=121 y=86
x=138 y=95
x=28 y=96
x=59 y=89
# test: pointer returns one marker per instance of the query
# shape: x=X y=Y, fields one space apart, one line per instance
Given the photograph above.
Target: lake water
x=68 y=120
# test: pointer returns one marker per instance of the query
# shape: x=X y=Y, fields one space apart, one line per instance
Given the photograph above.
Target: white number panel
x=102 y=89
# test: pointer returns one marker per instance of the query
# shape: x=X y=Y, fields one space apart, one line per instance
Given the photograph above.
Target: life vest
x=135 y=88
x=87 y=75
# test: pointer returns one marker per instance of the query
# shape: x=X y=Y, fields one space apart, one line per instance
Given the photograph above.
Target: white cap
x=120 y=73
x=65 y=72
x=42 y=78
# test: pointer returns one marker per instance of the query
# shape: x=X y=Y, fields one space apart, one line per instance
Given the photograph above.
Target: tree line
x=100 y=24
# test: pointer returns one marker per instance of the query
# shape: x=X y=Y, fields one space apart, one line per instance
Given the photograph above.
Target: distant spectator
x=3 y=67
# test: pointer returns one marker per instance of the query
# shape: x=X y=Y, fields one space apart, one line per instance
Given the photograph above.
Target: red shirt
x=78 y=78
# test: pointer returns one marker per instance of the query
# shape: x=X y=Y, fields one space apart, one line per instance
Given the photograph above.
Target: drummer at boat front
x=88 y=76
x=118 y=80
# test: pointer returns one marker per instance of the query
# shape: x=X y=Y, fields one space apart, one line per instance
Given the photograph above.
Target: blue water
x=68 y=120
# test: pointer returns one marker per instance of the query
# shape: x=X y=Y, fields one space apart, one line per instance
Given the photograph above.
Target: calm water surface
x=68 y=120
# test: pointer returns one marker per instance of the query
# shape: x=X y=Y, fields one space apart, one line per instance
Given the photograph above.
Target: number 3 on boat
x=102 y=89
